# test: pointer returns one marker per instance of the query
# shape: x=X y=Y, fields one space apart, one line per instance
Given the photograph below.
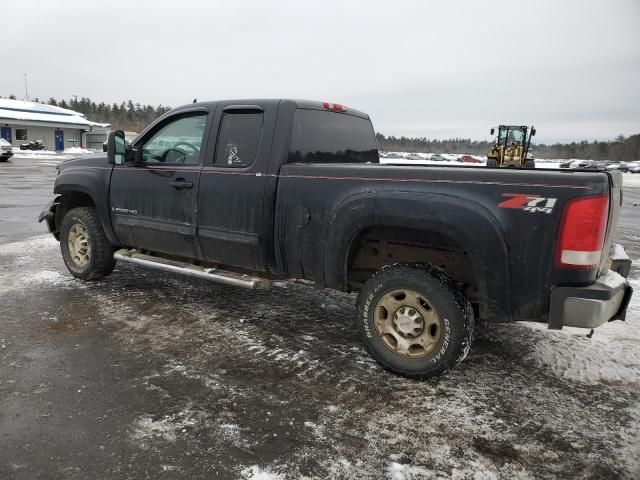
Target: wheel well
x=69 y=201
x=378 y=246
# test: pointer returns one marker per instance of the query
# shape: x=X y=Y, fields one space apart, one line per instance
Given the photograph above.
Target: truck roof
x=298 y=103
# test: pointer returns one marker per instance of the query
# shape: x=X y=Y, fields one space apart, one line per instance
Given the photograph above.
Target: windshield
x=512 y=135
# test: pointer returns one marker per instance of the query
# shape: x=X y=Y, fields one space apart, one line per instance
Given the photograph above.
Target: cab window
x=327 y=137
x=238 y=139
x=179 y=141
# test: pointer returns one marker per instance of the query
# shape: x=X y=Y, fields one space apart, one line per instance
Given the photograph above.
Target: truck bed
x=482 y=212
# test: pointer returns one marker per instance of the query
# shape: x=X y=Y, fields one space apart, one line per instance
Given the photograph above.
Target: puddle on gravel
x=74 y=316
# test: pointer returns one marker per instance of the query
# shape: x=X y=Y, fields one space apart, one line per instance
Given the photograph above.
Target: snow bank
x=76 y=151
x=32 y=153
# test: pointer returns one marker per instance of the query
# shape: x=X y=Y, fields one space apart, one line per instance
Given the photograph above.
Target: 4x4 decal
x=528 y=202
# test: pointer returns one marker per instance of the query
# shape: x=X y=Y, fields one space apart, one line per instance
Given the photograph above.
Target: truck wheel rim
x=407 y=323
x=78 y=242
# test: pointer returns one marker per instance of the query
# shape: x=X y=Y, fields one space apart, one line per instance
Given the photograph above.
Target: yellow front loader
x=511 y=147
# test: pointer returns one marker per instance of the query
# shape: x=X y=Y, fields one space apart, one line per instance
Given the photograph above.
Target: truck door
x=153 y=201
x=231 y=210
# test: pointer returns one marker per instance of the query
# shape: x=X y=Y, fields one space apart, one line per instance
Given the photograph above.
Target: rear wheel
x=529 y=164
x=492 y=162
x=85 y=249
x=414 y=320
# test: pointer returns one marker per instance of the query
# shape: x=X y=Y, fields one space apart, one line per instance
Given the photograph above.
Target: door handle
x=180 y=184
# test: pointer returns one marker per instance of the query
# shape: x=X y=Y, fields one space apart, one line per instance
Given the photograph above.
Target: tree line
x=135 y=116
x=122 y=116
x=621 y=148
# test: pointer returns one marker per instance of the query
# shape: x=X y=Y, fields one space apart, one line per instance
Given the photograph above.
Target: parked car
x=437 y=158
x=599 y=165
x=393 y=155
x=566 y=164
x=468 y=159
x=617 y=166
x=278 y=189
x=33 y=145
x=6 y=151
x=414 y=156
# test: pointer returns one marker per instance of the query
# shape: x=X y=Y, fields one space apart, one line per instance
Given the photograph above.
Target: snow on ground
x=280 y=374
x=213 y=381
x=452 y=160
x=76 y=151
x=631 y=180
x=254 y=472
x=48 y=157
x=611 y=355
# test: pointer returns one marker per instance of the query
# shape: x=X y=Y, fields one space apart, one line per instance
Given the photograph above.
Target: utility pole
x=26 y=89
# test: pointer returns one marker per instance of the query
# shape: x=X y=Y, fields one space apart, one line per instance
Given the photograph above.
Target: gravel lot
x=151 y=375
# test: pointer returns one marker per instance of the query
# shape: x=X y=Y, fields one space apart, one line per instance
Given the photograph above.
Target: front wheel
x=85 y=249
x=492 y=162
x=414 y=320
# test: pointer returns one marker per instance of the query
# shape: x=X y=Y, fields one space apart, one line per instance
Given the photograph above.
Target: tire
x=90 y=256
x=385 y=318
x=529 y=164
x=492 y=162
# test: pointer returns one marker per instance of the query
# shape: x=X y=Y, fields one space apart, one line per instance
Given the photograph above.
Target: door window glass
x=179 y=141
x=239 y=139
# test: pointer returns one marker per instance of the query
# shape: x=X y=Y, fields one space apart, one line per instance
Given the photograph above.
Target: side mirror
x=116 y=147
x=533 y=132
x=493 y=130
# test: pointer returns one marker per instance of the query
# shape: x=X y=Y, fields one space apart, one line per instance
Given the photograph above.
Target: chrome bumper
x=589 y=307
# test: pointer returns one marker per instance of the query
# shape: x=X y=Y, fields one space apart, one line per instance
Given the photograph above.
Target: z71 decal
x=528 y=202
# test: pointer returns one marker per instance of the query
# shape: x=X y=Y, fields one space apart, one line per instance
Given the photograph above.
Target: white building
x=58 y=128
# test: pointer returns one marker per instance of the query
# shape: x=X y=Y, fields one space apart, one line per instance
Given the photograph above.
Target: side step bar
x=212 y=274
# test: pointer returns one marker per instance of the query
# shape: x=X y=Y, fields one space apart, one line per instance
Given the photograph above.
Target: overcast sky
x=420 y=68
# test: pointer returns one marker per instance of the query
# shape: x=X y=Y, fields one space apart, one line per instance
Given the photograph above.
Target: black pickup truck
x=244 y=192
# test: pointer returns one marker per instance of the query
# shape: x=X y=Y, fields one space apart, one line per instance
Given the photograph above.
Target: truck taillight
x=334 y=107
x=582 y=232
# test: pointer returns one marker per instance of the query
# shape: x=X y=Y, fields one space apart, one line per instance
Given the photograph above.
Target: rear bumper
x=589 y=307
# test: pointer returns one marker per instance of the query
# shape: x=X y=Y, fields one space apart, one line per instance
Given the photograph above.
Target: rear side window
x=239 y=139
x=329 y=137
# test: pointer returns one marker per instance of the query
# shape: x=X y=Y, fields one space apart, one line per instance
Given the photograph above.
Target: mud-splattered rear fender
x=470 y=224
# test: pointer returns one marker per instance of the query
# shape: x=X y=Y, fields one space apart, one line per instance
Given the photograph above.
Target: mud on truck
x=247 y=191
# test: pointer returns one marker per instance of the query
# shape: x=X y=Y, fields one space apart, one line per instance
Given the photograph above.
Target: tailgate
x=615 y=203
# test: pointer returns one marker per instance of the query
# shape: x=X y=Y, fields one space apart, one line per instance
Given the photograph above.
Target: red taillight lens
x=582 y=232
x=334 y=107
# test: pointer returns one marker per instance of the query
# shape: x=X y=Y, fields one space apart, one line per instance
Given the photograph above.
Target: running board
x=212 y=274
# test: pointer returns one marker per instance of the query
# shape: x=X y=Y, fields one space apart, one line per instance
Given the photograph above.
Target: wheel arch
x=81 y=195
x=460 y=225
